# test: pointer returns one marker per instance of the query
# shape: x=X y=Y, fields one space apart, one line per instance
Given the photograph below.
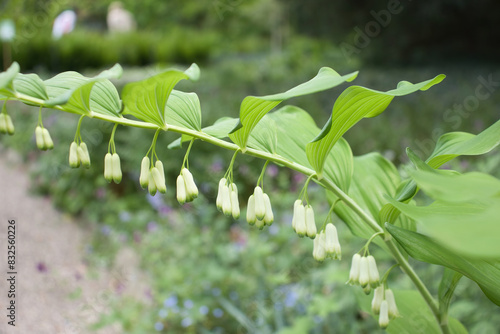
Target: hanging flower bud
x=310 y=223
x=383 y=320
x=144 y=177
x=226 y=201
x=378 y=297
x=319 y=252
x=74 y=162
x=218 y=201
x=83 y=155
x=159 y=166
x=300 y=221
x=373 y=272
x=117 y=169
x=391 y=303
x=251 y=219
x=235 y=205
x=269 y=216
x=260 y=207
x=159 y=180
x=332 y=245
x=9 y=125
x=355 y=270
x=3 y=123
x=296 y=204
x=47 y=140
x=260 y=224
x=191 y=188
x=151 y=183
x=364 y=274
x=39 y=139
x=181 y=190
x=331 y=238
x=108 y=167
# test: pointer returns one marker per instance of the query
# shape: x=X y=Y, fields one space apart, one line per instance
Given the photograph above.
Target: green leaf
x=31 y=85
x=416 y=317
x=374 y=178
x=104 y=99
x=7 y=81
x=457 y=188
x=453 y=144
x=147 y=99
x=464 y=215
x=447 y=286
x=351 y=106
x=219 y=129
x=253 y=108
x=183 y=109
x=265 y=136
x=295 y=128
x=485 y=272
x=72 y=91
x=471 y=229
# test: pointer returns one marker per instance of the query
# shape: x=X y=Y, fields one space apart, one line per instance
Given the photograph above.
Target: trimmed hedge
x=88 y=49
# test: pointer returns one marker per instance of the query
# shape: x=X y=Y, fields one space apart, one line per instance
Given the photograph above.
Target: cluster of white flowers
x=187 y=190
x=227 y=199
x=43 y=140
x=6 y=125
x=326 y=244
x=112 y=168
x=364 y=272
x=78 y=154
x=384 y=304
x=303 y=221
x=152 y=178
x=259 y=210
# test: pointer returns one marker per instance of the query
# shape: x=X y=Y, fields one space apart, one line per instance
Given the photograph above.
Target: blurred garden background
x=204 y=272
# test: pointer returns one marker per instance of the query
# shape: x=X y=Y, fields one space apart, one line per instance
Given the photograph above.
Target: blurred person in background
x=119 y=19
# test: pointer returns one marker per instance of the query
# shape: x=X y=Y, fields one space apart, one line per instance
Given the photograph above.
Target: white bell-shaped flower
x=251 y=218
x=311 y=229
x=117 y=168
x=355 y=270
x=74 y=162
x=373 y=272
x=181 y=189
x=235 y=205
x=108 y=167
x=260 y=207
x=218 y=201
x=144 y=176
x=391 y=303
x=269 y=216
x=364 y=274
x=383 y=319
x=378 y=297
x=319 y=252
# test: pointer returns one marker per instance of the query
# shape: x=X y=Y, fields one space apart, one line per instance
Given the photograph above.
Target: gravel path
x=49 y=263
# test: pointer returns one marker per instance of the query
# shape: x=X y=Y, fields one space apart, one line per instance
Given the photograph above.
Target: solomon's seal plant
x=457 y=230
